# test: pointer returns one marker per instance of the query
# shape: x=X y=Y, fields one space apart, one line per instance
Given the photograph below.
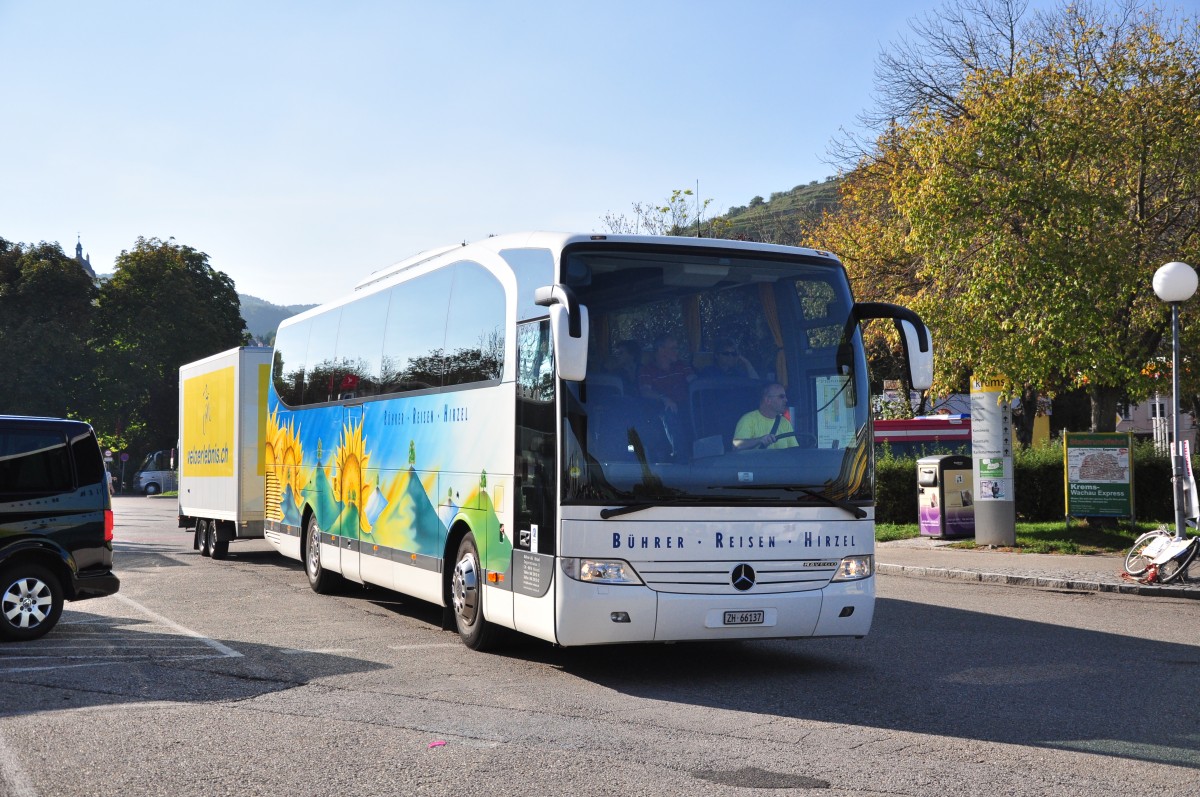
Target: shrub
x=895 y=489
x=1038 y=482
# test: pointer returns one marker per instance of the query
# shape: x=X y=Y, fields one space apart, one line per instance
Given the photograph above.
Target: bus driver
x=766 y=427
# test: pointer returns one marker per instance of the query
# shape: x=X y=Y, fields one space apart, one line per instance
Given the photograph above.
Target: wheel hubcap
x=465 y=589
x=26 y=602
x=314 y=551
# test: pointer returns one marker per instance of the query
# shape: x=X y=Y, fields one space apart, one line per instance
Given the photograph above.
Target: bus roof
x=555 y=242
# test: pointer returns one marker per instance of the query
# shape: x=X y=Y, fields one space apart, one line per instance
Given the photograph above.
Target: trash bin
x=945 y=505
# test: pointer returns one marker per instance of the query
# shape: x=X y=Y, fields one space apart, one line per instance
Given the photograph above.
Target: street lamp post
x=1175 y=283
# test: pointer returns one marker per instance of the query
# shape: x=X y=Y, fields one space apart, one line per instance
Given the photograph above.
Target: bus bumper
x=596 y=615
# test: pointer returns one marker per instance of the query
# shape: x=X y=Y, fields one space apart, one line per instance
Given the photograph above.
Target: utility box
x=945 y=505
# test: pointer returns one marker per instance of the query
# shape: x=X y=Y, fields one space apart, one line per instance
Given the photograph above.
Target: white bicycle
x=1161 y=557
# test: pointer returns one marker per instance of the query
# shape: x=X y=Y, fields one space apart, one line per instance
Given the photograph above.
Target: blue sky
x=303 y=145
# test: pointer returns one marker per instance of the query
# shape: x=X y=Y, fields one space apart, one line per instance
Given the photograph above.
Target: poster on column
x=991 y=441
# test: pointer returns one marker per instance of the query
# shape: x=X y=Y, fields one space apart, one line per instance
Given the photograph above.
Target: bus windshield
x=715 y=377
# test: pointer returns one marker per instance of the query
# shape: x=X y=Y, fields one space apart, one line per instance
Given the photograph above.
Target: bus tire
x=466 y=592
x=322 y=581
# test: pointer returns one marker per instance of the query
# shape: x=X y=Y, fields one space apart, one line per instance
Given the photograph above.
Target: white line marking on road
x=13 y=778
x=300 y=652
x=428 y=645
x=212 y=643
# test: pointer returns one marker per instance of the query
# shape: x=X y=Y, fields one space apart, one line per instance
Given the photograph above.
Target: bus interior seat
x=611 y=423
x=718 y=404
x=601 y=387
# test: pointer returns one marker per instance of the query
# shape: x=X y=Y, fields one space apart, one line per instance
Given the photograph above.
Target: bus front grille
x=710 y=578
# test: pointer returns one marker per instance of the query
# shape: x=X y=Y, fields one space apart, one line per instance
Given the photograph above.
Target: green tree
x=164 y=306
x=1034 y=202
x=46 y=309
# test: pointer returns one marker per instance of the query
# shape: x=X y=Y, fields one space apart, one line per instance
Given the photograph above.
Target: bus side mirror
x=568 y=330
x=914 y=336
x=570 y=354
x=920 y=362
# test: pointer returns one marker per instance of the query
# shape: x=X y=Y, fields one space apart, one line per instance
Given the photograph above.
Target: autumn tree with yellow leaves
x=1025 y=186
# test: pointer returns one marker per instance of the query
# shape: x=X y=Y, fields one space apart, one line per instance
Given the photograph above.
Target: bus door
x=535 y=514
x=352 y=418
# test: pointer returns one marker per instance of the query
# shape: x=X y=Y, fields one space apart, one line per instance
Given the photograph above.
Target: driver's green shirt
x=754 y=425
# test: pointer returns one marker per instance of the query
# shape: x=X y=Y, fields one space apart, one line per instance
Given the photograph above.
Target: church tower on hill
x=84 y=262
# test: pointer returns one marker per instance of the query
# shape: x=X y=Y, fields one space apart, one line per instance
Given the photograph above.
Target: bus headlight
x=600 y=571
x=852 y=568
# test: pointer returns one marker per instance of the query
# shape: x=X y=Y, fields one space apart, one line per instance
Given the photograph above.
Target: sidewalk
x=925 y=557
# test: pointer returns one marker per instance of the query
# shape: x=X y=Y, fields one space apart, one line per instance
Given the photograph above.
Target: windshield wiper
x=857 y=511
x=640 y=505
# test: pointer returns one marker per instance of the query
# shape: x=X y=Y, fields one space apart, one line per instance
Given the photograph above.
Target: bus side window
x=415 y=334
x=321 y=380
x=475 y=329
x=287 y=369
x=360 y=346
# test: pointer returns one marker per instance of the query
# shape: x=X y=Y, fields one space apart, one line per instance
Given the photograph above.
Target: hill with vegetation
x=785 y=216
x=262 y=317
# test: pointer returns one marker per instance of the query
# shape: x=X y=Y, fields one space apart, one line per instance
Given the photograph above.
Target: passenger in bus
x=728 y=363
x=625 y=364
x=666 y=377
x=766 y=427
x=665 y=380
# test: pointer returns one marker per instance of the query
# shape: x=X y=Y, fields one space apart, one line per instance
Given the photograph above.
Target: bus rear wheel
x=466 y=592
x=321 y=580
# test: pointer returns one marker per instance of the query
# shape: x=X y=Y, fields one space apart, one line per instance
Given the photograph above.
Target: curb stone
x=1190 y=589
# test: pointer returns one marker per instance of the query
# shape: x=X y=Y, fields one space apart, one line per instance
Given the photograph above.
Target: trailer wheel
x=203 y=532
x=219 y=548
x=198 y=536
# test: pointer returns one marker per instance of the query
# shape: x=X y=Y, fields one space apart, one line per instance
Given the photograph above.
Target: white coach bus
x=589 y=439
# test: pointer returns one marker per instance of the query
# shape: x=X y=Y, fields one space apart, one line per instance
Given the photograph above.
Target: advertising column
x=991 y=448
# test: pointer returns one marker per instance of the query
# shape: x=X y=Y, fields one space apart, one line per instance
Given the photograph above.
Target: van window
x=89 y=463
x=33 y=461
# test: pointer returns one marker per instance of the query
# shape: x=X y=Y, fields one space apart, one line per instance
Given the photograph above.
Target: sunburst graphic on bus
x=348 y=477
x=284 y=457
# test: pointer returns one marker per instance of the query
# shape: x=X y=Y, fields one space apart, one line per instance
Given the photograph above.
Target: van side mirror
x=568 y=330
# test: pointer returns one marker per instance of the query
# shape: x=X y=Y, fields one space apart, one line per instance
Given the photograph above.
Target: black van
x=56 y=522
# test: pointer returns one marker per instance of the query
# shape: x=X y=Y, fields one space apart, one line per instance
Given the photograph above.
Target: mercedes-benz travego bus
x=481 y=427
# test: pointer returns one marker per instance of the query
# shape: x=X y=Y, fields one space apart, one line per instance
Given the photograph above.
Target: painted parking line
x=91 y=640
x=224 y=650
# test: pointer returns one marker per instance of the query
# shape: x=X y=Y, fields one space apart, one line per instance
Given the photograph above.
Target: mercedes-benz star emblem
x=742 y=577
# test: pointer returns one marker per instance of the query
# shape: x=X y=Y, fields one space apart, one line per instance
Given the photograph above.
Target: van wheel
x=151 y=489
x=321 y=580
x=31 y=601
x=466 y=591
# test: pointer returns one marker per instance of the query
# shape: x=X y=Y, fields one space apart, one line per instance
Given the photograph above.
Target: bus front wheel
x=466 y=591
